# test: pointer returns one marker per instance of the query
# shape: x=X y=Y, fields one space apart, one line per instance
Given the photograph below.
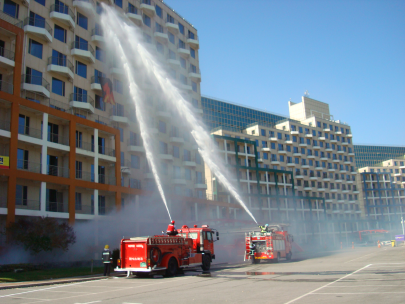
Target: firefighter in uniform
x=263 y=229
x=171 y=229
x=107 y=260
x=252 y=248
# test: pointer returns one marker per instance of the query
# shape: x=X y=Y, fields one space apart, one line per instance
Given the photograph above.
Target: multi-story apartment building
x=297 y=169
x=71 y=154
x=383 y=192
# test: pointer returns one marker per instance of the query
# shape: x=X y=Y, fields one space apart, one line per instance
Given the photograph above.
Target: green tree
x=41 y=234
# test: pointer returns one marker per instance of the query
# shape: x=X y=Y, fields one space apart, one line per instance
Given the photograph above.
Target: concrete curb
x=51 y=282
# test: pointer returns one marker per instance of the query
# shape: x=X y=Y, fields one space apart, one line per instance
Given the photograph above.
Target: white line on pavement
x=348 y=293
x=300 y=297
x=89 y=302
x=355 y=286
x=360 y=257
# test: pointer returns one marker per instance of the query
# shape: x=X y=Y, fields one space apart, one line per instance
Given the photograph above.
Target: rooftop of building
x=185 y=20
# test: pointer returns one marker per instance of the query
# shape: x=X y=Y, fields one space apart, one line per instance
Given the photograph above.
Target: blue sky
x=350 y=54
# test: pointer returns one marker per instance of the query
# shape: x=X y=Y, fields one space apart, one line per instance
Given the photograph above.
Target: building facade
x=383 y=192
x=72 y=155
x=371 y=155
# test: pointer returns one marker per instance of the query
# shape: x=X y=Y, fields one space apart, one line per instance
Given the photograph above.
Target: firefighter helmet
x=106 y=247
x=173 y=222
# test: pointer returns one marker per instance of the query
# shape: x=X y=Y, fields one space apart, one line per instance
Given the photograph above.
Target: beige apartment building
x=309 y=155
x=383 y=192
x=72 y=155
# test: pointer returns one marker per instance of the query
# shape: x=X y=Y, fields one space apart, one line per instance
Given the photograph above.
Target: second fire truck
x=273 y=245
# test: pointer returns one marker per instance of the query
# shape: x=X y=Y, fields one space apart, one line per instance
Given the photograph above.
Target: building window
x=183 y=63
x=132 y=9
x=11 y=8
x=118 y=87
x=99 y=54
x=33 y=76
x=42 y=2
x=58 y=86
x=100 y=103
x=35 y=48
x=160 y=48
x=21 y=196
x=60 y=33
x=82 y=21
x=146 y=20
x=181 y=28
x=191 y=35
x=176 y=152
x=159 y=11
x=171 y=38
x=194 y=86
x=135 y=161
x=81 y=69
x=118 y=3
x=22 y=159
x=162 y=127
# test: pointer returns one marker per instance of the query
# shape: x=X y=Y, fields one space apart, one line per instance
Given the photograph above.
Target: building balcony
x=328 y=149
x=188 y=162
x=148 y=8
x=326 y=130
x=165 y=114
x=291 y=164
x=38 y=28
x=185 y=86
x=7 y=58
x=324 y=158
x=161 y=36
x=305 y=166
x=333 y=190
x=176 y=139
x=108 y=180
x=294 y=132
x=308 y=135
x=84 y=175
x=349 y=135
x=282 y=152
x=265 y=149
x=134 y=146
x=321 y=189
x=326 y=179
x=11 y=20
x=35 y=84
x=336 y=211
x=28 y=166
x=336 y=160
x=351 y=154
x=345 y=143
x=174 y=62
x=81 y=101
x=313 y=177
x=340 y=152
x=63 y=14
x=311 y=156
x=116 y=116
x=303 y=145
x=133 y=15
x=183 y=51
x=194 y=74
x=319 y=168
x=83 y=50
x=57 y=171
x=126 y=167
x=321 y=138
x=166 y=156
x=275 y=162
x=95 y=83
x=333 y=141
x=306 y=188
x=97 y=35
x=172 y=27
x=299 y=176
x=118 y=72
x=317 y=147
x=61 y=66
x=200 y=184
x=84 y=5
x=193 y=41
x=179 y=179
x=6 y=87
x=297 y=154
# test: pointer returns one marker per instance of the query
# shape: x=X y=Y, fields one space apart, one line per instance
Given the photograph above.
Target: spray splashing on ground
x=125 y=42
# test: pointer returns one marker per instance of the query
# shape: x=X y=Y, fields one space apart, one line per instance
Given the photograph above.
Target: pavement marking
x=360 y=257
x=355 y=286
x=300 y=297
x=69 y=284
x=89 y=302
x=349 y=293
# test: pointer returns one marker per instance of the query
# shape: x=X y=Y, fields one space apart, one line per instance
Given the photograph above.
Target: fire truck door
x=208 y=241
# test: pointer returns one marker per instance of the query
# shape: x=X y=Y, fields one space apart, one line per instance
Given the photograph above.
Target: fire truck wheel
x=206 y=262
x=171 y=267
x=155 y=255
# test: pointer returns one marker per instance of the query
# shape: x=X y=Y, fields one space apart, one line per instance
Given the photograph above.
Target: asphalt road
x=362 y=275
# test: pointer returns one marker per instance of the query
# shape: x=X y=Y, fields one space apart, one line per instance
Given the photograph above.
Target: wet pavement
x=363 y=275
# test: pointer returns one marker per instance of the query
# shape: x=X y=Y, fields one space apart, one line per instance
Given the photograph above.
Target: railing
x=58 y=171
x=10 y=19
x=133 y=142
x=96 y=79
x=41 y=23
x=58 y=139
x=63 y=9
x=27 y=204
x=56 y=207
x=201 y=181
x=106 y=151
x=85 y=46
x=97 y=32
x=160 y=29
x=32 y=132
x=194 y=70
x=84 y=175
x=131 y=10
x=85 y=145
x=6 y=53
x=192 y=36
x=148 y=2
x=60 y=61
x=170 y=20
x=188 y=158
x=183 y=46
x=82 y=98
x=36 y=80
x=84 y=209
x=103 y=179
x=28 y=165
x=4 y=125
x=6 y=87
x=52 y=103
x=115 y=112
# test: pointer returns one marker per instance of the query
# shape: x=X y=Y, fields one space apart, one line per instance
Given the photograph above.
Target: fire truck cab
x=273 y=245
x=163 y=254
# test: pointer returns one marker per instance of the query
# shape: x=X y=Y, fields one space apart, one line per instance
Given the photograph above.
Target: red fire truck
x=163 y=254
x=274 y=244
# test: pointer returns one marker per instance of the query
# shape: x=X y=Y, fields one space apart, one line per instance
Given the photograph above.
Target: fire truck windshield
x=192 y=235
